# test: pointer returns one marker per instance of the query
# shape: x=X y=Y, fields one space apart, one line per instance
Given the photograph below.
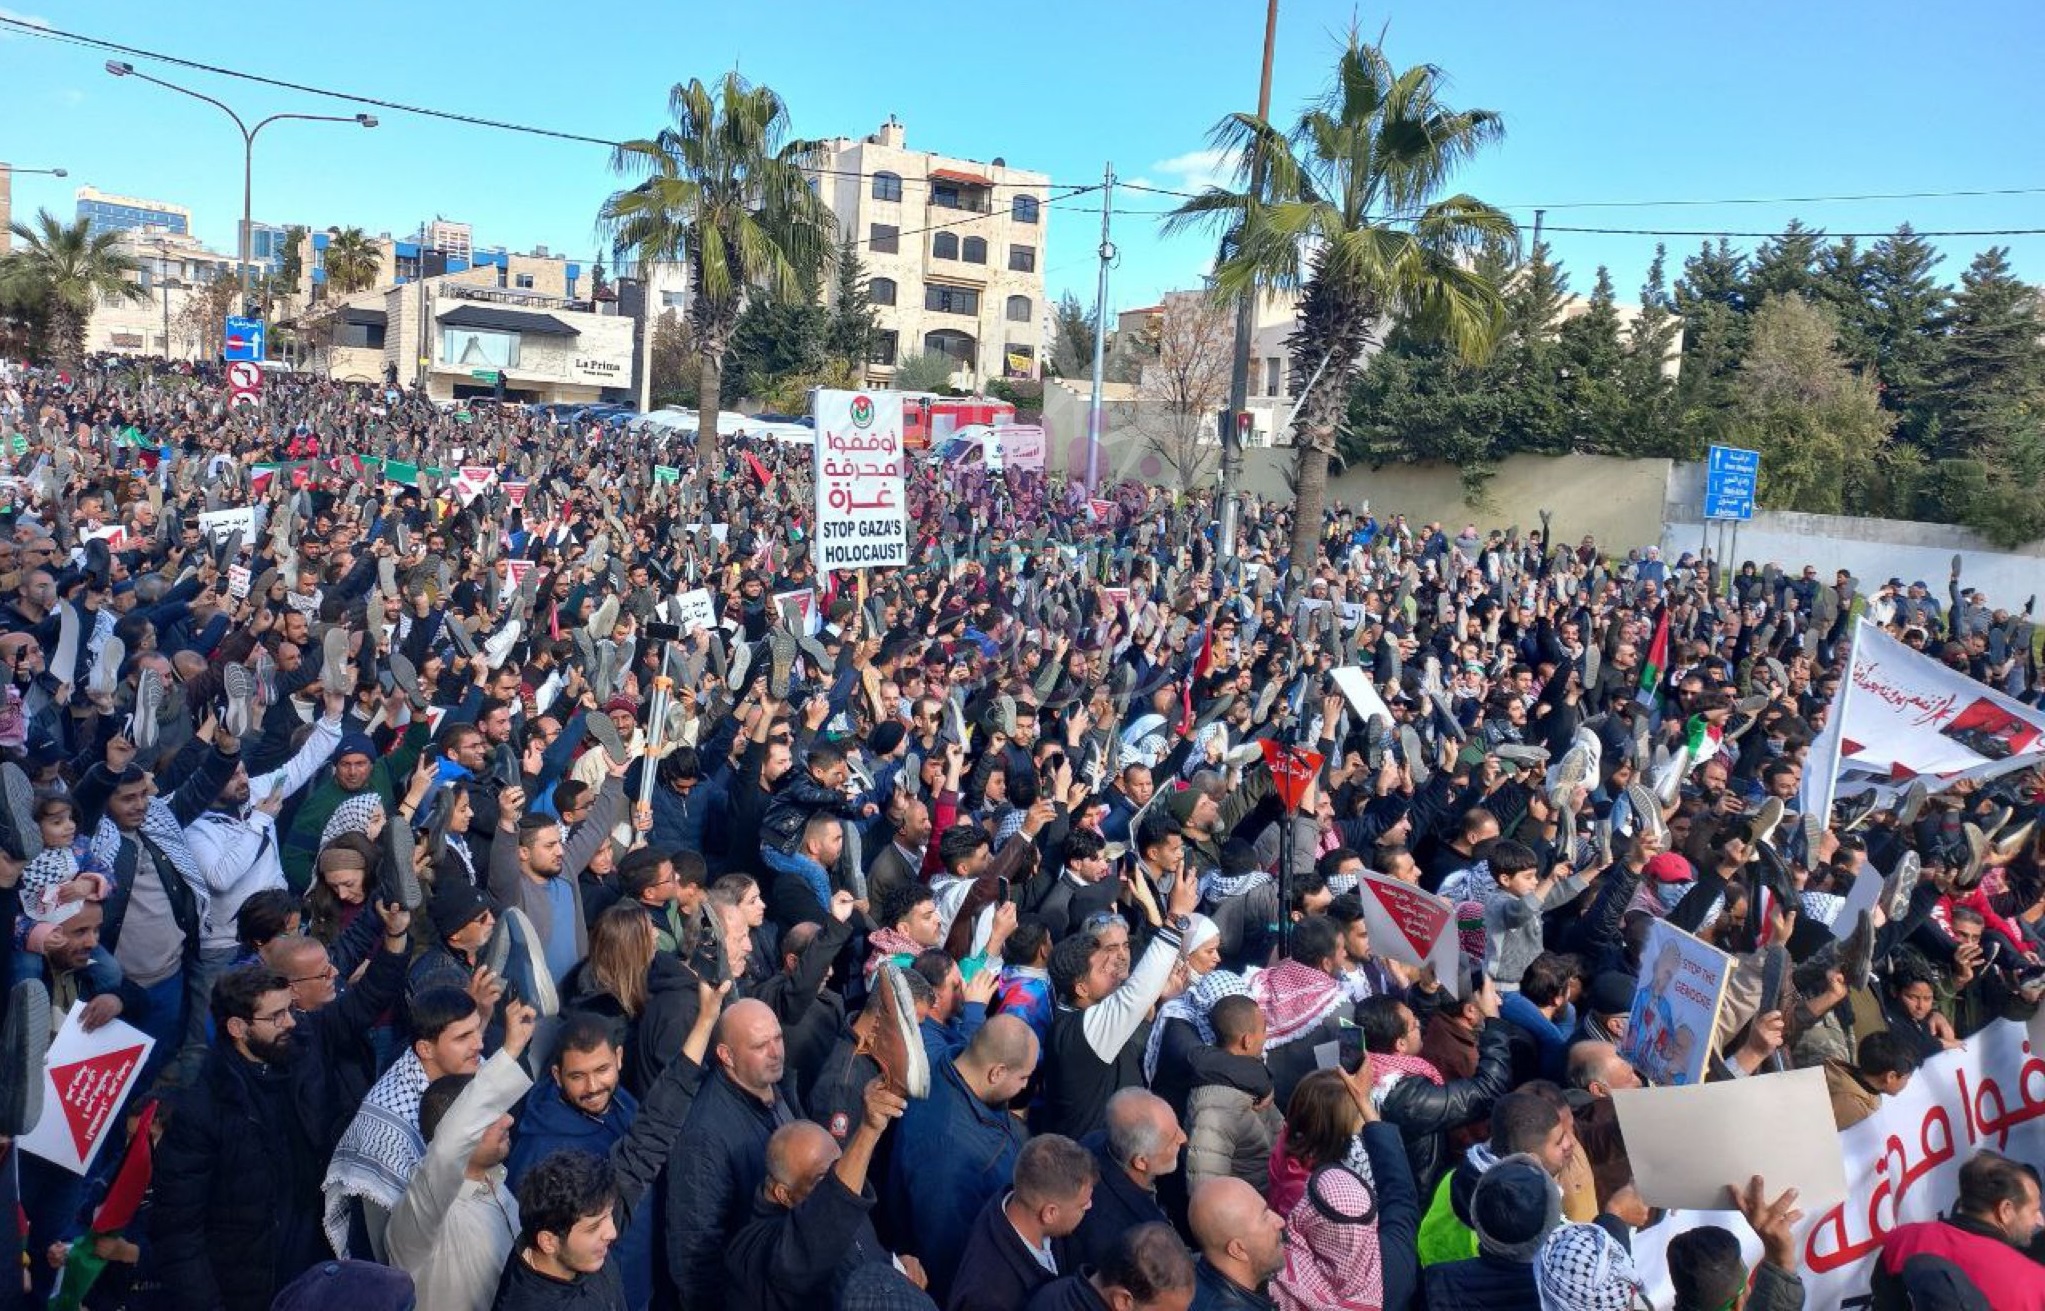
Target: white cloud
x=31 y=19
x=1196 y=170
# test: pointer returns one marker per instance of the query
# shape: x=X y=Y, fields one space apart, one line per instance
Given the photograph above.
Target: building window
x=360 y=336
x=945 y=245
x=945 y=194
x=976 y=250
x=525 y=282
x=884 y=347
x=674 y=300
x=1023 y=209
x=957 y=345
x=1022 y=259
x=881 y=291
x=1019 y=309
x=887 y=186
x=1271 y=376
x=951 y=300
x=884 y=239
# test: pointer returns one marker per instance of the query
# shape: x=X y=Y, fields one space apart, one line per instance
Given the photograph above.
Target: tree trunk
x=67 y=336
x=708 y=402
x=1310 y=479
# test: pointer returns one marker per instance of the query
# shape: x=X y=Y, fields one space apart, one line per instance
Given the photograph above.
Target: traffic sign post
x=1730 y=477
x=242 y=339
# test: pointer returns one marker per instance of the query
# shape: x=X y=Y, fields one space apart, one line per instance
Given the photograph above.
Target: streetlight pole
x=1246 y=324
x=248 y=142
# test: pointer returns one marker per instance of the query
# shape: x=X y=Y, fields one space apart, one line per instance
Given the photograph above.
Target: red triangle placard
x=1418 y=917
x=90 y=1092
x=1291 y=770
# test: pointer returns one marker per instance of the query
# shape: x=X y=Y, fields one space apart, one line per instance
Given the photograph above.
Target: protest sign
x=862 y=509
x=1903 y=716
x=86 y=1079
x=1902 y=1166
x=719 y=532
x=514 y=492
x=798 y=611
x=1292 y=769
x=1686 y=1144
x=1413 y=927
x=217 y=525
x=698 y=611
x=1670 y=1029
x=1362 y=695
x=238 y=580
x=666 y=473
x=472 y=480
x=115 y=536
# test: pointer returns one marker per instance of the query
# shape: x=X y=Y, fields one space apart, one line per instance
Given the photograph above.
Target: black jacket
x=1481 y=1283
x=996 y=1271
x=790 y=1260
x=1424 y=1112
x=1119 y=1205
x=1215 y=1291
x=718 y=1167
x=812 y=1019
x=226 y=1171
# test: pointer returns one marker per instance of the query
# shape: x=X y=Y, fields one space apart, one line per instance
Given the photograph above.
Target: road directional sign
x=242 y=339
x=1730 y=477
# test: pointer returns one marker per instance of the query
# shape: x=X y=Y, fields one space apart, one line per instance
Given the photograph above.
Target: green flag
x=18 y=443
x=666 y=473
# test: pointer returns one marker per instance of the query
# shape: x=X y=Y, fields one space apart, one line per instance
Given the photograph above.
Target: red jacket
x=2010 y=1278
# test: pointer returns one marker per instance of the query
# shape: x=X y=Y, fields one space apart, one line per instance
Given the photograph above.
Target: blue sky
x=1616 y=101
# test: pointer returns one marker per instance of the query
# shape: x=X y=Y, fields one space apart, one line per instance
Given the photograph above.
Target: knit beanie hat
x=1583 y=1268
x=1180 y=803
x=1611 y=993
x=355 y=744
x=348 y=1286
x=455 y=905
x=1514 y=1207
x=886 y=737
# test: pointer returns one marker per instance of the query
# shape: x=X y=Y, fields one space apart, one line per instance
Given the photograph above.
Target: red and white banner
x=798 y=610
x=1902 y=1166
x=86 y=1080
x=1292 y=770
x=1412 y=927
x=514 y=492
x=1903 y=715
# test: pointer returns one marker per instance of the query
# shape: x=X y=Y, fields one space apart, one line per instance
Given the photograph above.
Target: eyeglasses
x=1102 y=920
x=274 y=1019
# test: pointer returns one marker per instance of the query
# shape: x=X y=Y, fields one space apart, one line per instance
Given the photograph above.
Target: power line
x=1741 y=200
x=471 y=120
x=1868 y=236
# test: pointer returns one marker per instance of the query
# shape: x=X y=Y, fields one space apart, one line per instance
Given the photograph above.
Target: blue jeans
x=163 y=1018
x=801 y=867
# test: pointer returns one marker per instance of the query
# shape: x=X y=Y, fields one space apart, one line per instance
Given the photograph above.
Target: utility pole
x=1246 y=326
x=1107 y=253
x=1539 y=215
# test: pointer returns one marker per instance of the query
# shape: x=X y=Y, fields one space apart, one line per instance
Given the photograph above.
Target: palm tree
x=1351 y=218
x=66 y=271
x=723 y=189
x=354 y=261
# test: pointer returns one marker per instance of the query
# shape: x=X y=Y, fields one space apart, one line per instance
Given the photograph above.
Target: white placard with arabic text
x=862 y=506
x=1902 y=1166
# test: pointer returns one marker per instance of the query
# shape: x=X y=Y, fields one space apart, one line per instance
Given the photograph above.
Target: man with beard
x=237 y=1179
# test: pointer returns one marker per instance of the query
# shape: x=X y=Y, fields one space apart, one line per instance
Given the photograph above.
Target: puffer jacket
x=1226 y=1132
x=1424 y=1111
x=798 y=798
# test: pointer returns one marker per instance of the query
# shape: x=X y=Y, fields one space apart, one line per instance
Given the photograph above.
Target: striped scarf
x=380 y=1150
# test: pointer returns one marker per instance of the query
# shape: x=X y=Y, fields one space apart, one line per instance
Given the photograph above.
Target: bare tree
x=196 y=328
x=1183 y=385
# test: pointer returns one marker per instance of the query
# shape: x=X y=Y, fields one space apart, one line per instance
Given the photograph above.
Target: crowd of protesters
x=926 y=936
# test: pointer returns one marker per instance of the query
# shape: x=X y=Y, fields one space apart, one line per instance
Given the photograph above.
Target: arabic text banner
x=1907 y=715
x=1902 y=1166
x=862 y=508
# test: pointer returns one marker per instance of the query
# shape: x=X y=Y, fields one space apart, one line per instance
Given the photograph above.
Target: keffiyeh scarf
x=1295 y=998
x=1583 y=1268
x=381 y=1148
x=161 y=827
x=354 y=815
x=884 y=943
x=1390 y=1067
x=1193 y=1006
x=1332 y=1258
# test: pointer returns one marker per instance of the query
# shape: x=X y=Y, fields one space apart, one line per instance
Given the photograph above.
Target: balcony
x=961 y=191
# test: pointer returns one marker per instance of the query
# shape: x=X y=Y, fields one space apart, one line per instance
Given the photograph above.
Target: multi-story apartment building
x=954 y=252
x=108 y=213
x=175 y=269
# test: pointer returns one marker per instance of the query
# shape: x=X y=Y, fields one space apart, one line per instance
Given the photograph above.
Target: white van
x=997 y=448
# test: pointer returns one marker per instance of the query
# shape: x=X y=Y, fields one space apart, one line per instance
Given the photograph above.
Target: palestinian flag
x=1657 y=663
x=1702 y=738
x=124 y=1197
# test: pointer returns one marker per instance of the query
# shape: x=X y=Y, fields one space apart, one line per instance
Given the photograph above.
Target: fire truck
x=930 y=420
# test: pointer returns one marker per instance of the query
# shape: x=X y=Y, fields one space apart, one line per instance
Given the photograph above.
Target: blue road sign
x=242 y=339
x=1730 y=475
